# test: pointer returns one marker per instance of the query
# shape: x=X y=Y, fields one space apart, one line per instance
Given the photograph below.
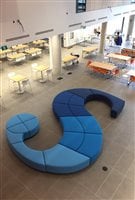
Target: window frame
x=80 y=6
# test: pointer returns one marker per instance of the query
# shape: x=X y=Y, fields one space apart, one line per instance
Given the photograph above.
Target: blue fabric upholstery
x=114 y=102
x=82 y=139
x=90 y=124
x=91 y=146
x=79 y=111
x=61 y=110
x=71 y=124
x=13 y=121
x=31 y=157
x=60 y=159
x=82 y=92
x=72 y=140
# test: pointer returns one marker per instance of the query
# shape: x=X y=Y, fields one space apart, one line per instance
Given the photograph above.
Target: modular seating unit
x=82 y=139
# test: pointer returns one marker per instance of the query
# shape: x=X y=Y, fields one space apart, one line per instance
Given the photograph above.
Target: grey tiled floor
x=19 y=181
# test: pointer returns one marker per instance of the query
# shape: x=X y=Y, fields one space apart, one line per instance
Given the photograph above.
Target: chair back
x=25 y=82
x=11 y=74
x=34 y=65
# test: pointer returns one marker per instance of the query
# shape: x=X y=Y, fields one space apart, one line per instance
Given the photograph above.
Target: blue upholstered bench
x=81 y=143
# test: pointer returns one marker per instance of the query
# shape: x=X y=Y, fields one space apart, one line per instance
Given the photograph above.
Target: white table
x=18 y=79
x=118 y=57
x=90 y=49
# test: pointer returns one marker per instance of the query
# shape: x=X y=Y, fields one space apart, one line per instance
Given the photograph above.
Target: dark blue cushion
x=71 y=124
x=79 y=110
x=91 y=146
x=86 y=94
x=76 y=100
x=114 y=102
x=63 y=97
x=61 y=110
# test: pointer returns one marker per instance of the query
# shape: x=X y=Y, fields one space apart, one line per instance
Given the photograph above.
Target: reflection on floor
x=110 y=177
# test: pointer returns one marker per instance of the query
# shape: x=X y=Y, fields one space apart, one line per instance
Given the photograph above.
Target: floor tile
x=125 y=191
x=110 y=185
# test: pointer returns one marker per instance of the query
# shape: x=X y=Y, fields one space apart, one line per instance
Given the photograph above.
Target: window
x=71 y=35
x=80 y=6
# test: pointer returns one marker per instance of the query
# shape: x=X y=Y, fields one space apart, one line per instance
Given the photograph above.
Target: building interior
x=51 y=54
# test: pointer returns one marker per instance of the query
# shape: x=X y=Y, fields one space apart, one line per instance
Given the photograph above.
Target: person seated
x=77 y=55
x=97 y=31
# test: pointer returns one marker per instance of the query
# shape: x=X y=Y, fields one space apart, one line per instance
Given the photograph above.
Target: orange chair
x=132 y=79
x=103 y=71
x=115 y=73
x=132 y=61
x=95 y=69
x=88 y=63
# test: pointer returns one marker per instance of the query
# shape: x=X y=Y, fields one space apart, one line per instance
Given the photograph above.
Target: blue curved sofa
x=82 y=139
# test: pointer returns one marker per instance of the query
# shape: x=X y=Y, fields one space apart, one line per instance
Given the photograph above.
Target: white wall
x=79 y=35
x=114 y=25
x=37 y=16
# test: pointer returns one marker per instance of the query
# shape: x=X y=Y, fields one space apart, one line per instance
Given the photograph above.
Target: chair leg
x=49 y=75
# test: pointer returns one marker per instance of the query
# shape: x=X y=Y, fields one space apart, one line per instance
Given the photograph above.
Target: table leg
x=20 y=89
x=42 y=80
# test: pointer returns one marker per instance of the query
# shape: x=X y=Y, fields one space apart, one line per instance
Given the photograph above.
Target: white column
x=102 y=38
x=130 y=26
x=55 y=54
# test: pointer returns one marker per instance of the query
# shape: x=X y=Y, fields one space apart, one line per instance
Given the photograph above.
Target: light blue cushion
x=13 y=137
x=60 y=159
x=26 y=116
x=13 y=121
x=32 y=126
x=18 y=129
x=31 y=157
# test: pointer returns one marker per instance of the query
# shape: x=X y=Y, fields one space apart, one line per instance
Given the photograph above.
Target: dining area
x=22 y=52
x=103 y=68
x=20 y=81
x=33 y=73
